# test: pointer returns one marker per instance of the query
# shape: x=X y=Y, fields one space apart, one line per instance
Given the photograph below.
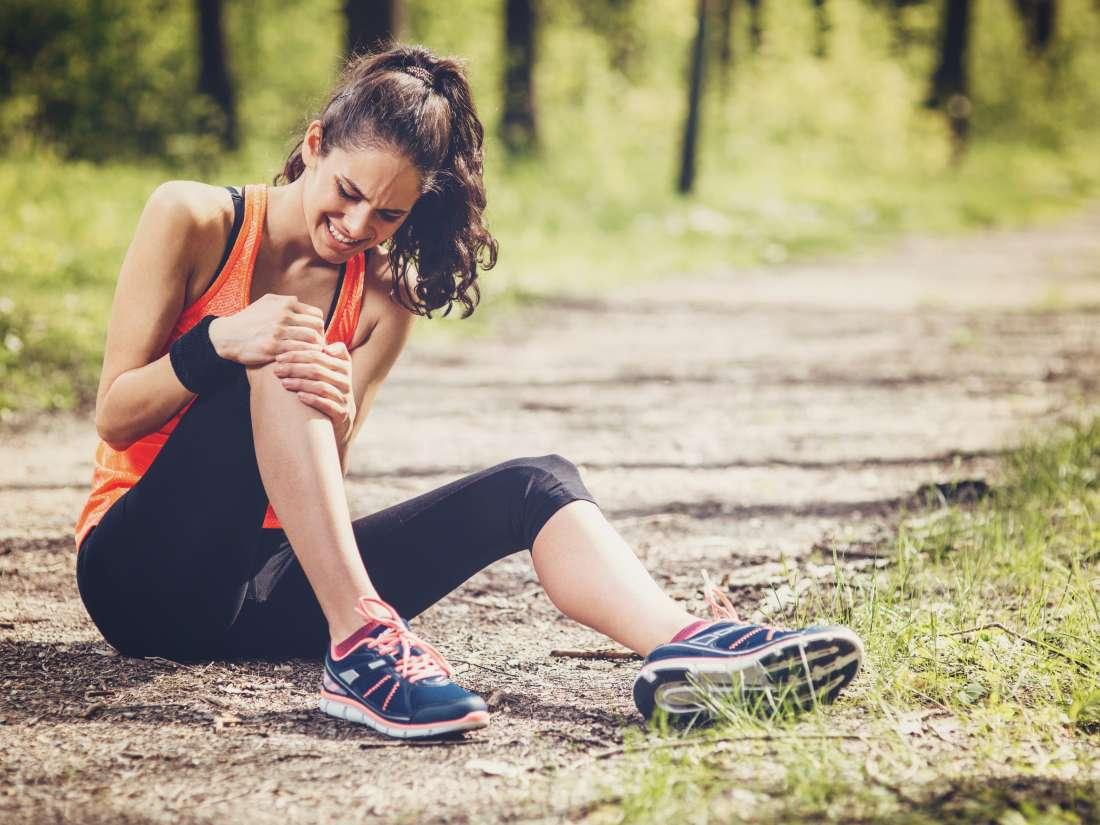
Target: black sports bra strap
x=336 y=295
x=238 y=221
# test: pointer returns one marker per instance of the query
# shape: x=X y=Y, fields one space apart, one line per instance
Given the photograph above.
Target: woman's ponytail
x=406 y=99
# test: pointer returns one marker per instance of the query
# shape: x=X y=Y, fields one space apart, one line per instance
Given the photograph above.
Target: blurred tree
x=100 y=79
x=695 y=96
x=756 y=26
x=950 y=81
x=724 y=31
x=370 y=24
x=214 y=79
x=903 y=36
x=518 y=125
x=1039 y=19
x=617 y=22
x=25 y=31
x=821 y=29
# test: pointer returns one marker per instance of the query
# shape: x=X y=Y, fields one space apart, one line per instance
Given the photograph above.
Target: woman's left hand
x=321 y=378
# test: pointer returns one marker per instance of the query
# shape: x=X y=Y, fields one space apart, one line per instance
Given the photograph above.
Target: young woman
x=249 y=335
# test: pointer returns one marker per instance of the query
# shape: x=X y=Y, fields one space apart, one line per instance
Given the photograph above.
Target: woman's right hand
x=252 y=336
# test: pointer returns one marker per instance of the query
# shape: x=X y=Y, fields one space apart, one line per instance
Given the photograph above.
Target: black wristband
x=197 y=364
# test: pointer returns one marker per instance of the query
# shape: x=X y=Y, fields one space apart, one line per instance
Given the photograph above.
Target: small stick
x=485 y=667
x=160 y=660
x=620 y=655
x=763 y=737
x=442 y=743
x=1033 y=642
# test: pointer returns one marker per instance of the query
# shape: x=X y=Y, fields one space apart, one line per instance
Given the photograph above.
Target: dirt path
x=724 y=423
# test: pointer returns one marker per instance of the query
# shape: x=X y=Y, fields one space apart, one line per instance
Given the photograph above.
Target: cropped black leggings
x=181 y=567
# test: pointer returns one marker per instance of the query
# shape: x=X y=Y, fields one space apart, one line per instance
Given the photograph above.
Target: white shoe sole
x=348 y=711
x=809 y=668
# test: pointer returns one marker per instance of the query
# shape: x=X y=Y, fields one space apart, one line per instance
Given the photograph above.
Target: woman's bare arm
x=371 y=362
x=139 y=391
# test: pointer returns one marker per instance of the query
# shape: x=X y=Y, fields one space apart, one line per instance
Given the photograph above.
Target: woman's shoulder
x=380 y=278
x=203 y=210
x=379 y=309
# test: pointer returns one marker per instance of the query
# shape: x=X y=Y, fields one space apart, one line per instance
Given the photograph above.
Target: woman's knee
x=540 y=473
x=543 y=485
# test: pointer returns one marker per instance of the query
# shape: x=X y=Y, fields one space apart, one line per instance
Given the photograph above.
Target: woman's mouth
x=340 y=237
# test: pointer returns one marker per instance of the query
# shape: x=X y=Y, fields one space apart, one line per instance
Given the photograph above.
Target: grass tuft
x=979 y=698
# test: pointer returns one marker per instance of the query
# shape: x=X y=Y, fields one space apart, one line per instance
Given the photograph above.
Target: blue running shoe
x=764 y=668
x=396 y=683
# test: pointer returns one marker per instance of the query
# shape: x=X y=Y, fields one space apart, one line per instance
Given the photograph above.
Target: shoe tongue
x=690 y=630
x=367 y=631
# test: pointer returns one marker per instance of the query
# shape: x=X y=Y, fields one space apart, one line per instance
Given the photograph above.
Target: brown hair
x=405 y=99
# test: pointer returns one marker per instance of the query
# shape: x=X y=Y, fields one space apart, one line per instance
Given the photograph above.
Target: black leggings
x=181 y=567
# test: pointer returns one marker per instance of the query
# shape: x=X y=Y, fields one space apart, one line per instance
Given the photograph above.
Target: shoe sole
x=349 y=711
x=802 y=671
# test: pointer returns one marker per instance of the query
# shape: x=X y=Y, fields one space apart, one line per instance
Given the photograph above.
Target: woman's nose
x=360 y=222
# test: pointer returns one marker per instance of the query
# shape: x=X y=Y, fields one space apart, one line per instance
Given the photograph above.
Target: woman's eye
x=389 y=218
x=343 y=192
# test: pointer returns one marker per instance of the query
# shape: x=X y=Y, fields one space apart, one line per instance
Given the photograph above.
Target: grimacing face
x=354 y=199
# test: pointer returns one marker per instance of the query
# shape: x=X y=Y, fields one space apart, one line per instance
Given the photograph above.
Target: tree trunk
x=1038 y=17
x=725 y=43
x=821 y=29
x=370 y=24
x=756 y=27
x=950 y=83
x=214 y=80
x=695 y=98
x=900 y=42
x=518 y=127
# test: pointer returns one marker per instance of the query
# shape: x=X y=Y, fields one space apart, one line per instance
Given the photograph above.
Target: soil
x=749 y=423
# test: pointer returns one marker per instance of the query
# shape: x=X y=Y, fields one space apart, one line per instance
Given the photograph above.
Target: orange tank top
x=116 y=471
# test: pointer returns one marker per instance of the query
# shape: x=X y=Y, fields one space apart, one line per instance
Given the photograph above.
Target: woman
x=218 y=525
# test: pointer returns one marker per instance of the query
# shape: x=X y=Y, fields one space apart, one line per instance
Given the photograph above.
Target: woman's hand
x=255 y=335
x=322 y=380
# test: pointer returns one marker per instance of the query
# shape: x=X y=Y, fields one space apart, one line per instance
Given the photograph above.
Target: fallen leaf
x=493 y=767
x=911 y=724
x=225 y=720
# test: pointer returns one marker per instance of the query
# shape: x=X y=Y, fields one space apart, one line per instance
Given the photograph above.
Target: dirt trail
x=725 y=423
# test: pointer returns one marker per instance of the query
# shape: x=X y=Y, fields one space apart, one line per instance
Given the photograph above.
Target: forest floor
x=738 y=423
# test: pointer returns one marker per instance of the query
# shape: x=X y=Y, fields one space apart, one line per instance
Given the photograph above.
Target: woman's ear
x=311 y=144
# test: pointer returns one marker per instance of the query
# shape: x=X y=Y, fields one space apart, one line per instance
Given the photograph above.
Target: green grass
x=980 y=696
x=799 y=157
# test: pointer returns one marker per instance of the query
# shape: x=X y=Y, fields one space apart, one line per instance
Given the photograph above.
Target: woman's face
x=354 y=199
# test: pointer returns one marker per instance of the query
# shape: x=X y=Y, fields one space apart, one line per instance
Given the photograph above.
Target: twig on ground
x=1085 y=666
x=92 y=710
x=761 y=737
x=160 y=660
x=485 y=667
x=619 y=655
x=215 y=800
x=439 y=743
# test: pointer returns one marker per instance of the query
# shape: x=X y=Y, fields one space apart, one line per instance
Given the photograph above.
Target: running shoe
x=760 y=667
x=395 y=682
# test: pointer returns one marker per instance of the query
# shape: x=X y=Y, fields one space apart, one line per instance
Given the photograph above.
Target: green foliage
x=100 y=79
x=978 y=700
x=800 y=156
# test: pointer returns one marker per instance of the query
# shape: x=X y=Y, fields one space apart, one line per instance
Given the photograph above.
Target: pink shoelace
x=398 y=639
x=722 y=609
